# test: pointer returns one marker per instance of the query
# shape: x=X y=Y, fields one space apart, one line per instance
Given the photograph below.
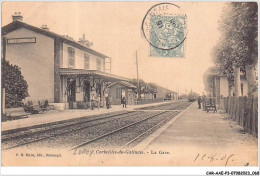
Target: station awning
x=94 y=73
x=124 y=83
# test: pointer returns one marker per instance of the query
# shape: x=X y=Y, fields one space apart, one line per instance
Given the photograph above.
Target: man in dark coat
x=107 y=101
x=124 y=102
x=199 y=102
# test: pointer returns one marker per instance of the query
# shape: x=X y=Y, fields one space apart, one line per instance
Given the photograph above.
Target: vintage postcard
x=129 y=83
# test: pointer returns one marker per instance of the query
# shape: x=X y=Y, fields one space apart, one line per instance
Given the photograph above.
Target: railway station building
x=122 y=89
x=162 y=94
x=217 y=84
x=57 y=68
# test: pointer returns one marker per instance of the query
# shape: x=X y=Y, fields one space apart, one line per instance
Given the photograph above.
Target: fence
x=243 y=110
x=147 y=101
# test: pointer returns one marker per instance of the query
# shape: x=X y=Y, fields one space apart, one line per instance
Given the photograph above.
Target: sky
x=115 y=30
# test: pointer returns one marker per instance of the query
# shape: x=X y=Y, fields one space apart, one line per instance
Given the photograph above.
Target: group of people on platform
x=201 y=99
x=95 y=101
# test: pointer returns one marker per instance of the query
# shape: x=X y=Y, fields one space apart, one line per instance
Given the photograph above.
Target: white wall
x=224 y=86
x=36 y=61
x=79 y=59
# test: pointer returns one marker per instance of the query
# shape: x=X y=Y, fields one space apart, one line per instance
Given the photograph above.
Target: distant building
x=121 y=89
x=162 y=93
x=56 y=67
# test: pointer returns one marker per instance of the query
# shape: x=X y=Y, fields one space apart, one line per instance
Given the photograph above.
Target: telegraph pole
x=3 y=75
x=139 y=92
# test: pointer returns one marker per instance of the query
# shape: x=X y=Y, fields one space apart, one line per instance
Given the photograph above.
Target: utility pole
x=139 y=91
x=3 y=75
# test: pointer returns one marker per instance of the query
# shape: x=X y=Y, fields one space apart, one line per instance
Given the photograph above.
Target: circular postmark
x=164 y=26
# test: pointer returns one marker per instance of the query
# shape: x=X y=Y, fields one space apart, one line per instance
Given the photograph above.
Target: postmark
x=164 y=28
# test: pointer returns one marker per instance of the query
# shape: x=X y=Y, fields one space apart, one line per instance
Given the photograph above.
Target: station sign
x=21 y=40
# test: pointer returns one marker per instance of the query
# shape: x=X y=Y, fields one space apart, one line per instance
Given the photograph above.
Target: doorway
x=71 y=94
x=98 y=89
x=86 y=91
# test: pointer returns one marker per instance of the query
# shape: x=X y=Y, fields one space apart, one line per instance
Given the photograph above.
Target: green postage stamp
x=164 y=27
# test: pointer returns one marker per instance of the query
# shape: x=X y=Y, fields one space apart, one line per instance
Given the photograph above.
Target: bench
x=209 y=104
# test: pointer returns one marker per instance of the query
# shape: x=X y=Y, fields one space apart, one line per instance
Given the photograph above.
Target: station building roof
x=95 y=73
x=124 y=83
x=18 y=24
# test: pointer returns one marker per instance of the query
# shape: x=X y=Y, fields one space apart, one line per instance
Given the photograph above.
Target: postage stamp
x=167 y=32
x=164 y=27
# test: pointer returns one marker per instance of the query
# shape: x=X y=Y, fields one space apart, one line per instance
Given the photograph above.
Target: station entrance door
x=71 y=94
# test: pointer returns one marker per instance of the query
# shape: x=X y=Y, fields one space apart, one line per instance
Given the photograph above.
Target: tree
x=152 y=88
x=16 y=88
x=238 y=46
x=141 y=84
x=145 y=88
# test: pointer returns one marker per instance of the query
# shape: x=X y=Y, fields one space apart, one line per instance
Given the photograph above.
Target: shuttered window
x=71 y=57
x=86 y=61
x=98 y=64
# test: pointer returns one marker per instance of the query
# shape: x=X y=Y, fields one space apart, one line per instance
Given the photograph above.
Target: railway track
x=69 y=127
x=112 y=132
x=32 y=129
x=169 y=106
x=97 y=128
x=164 y=117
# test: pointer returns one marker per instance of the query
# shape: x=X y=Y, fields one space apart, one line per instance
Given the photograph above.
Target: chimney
x=84 y=41
x=44 y=27
x=17 y=16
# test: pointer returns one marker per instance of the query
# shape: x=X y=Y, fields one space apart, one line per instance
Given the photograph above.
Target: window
x=86 y=61
x=118 y=93
x=71 y=57
x=98 y=64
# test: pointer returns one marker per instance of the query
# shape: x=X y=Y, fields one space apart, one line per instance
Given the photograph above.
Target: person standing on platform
x=203 y=102
x=199 y=102
x=93 y=98
x=107 y=100
x=110 y=100
x=124 y=102
x=98 y=101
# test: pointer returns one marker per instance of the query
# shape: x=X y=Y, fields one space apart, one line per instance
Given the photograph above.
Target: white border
x=125 y=170
x=119 y=170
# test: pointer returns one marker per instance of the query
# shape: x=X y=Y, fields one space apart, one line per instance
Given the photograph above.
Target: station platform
x=197 y=138
x=54 y=116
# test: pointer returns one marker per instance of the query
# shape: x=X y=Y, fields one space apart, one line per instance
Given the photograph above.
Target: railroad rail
x=127 y=118
x=83 y=144
x=112 y=132
x=58 y=128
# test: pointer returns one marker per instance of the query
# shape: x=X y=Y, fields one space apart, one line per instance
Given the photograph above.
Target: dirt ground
x=198 y=138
